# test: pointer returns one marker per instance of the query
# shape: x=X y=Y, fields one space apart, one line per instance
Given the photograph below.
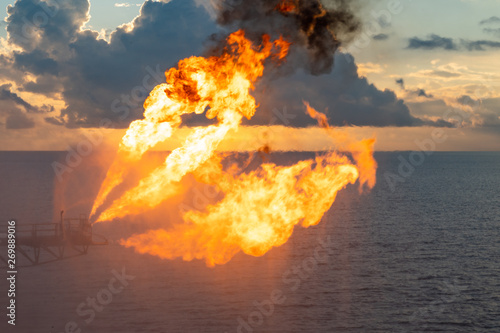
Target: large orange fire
x=258 y=209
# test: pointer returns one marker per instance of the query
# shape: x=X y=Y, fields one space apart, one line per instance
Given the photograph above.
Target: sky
x=411 y=70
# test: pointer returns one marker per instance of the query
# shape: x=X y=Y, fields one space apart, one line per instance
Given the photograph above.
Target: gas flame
x=286 y=6
x=258 y=210
x=361 y=151
x=220 y=83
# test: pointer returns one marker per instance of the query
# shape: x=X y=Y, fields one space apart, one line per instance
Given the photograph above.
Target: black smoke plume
x=316 y=28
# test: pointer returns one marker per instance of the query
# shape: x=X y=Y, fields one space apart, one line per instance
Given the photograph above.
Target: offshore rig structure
x=68 y=238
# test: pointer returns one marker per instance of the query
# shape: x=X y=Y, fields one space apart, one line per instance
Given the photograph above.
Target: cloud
x=36 y=62
x=467 y=100
x=491 y=114
x=380 y=37
x=437 y=42
x=480 y=45
x=7 y=95
x=308 y=27
x=495 y=32
x=369 y=67
x=441 y=73
x=98 y=80
x=347 y=99
x=383 y=21
x=46 y=85
x=18 y=120
x=449 y=80
x=37 y=26
x=419 y=92
x=401 y=83
x=491 y=20
x=10 y=109
x=125 y=4
x=433 y=42
x=464 y=111
x=422 y=93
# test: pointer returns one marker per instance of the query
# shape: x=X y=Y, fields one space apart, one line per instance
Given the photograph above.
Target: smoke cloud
x=315 y=28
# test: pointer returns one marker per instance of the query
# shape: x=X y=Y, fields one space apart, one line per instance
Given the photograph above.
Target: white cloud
x=126 y=4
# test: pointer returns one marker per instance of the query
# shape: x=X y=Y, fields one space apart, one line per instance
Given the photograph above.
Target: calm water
x=420 y=255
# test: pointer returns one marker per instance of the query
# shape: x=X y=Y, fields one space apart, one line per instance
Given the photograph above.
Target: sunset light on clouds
x=70 y=69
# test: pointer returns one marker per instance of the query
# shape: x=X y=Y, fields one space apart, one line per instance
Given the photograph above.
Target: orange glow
x=257 y=210
x=286 y=6
x=361 y=151
x=221 y=83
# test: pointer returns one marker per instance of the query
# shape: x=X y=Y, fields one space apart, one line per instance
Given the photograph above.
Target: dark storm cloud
x=100 y=80
x=347 y=99
x=47 y=26
x=47 y=85
x=381 y=37
x=97 y=79
x=7 y=72
x=36 y=62
x=434 y=42
x=127 y=68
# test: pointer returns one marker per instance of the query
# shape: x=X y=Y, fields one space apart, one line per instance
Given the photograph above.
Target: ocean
x=418 y=253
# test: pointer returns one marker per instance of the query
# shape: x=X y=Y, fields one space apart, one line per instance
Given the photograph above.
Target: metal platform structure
x=74 y=234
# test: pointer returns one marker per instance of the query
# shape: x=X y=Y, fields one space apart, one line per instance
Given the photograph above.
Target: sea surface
x=419 y=253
